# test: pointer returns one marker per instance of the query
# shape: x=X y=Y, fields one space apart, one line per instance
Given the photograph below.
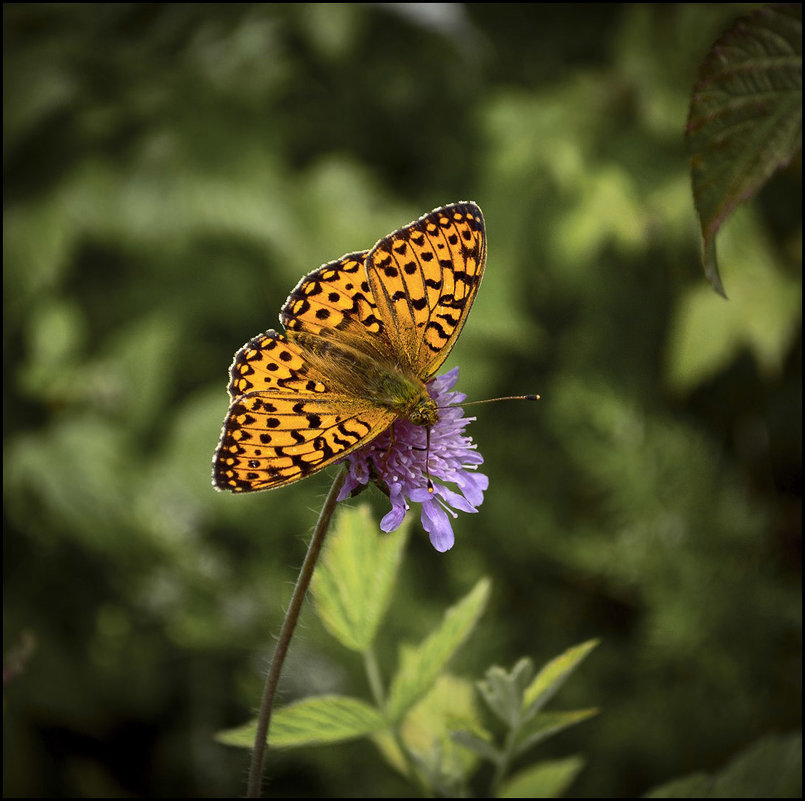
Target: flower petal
x=455 y=499
x=393 y=519
x=436 y=522
x=436 y=471
x=473 y=485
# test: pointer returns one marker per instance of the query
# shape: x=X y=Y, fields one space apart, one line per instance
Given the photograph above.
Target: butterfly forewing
x=424 y=279
x=335 y=297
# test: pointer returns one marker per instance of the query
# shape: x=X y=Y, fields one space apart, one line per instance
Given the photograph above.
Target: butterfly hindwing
x=268 y=362
x=424 y=278
x=274 y=438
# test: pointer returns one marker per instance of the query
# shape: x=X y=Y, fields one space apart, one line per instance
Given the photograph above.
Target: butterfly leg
x=388 y=450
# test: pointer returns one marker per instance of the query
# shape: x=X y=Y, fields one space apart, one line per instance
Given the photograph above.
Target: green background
x=170 y=173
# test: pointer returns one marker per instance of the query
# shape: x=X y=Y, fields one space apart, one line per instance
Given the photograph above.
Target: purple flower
x=397 y=457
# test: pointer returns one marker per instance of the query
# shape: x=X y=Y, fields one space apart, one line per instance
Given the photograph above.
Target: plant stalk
x=286 y=633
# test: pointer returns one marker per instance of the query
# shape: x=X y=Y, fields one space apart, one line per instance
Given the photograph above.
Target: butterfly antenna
x=427 y=459
x=507 y=397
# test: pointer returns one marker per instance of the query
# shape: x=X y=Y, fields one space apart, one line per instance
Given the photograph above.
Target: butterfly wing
x=336 y=297
x=285 y=423
x=298 y=400
x=424 y=278
x=269 y=363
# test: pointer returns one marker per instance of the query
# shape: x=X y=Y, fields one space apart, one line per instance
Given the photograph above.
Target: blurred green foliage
x=170 y=171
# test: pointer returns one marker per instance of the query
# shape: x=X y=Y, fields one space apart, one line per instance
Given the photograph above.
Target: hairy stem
x=286 y=633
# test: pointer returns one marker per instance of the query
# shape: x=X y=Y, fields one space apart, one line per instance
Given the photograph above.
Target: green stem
x=286 y=632
x=410 y=765
x=506 y=757
x=373 y=675
x=376 y=686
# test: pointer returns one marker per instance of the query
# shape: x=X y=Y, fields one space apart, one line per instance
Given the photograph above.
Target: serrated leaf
x=427 y=732
x=745 y=117
x=548 y=779
x=503 y=692
x=420 y=666
x=553 y=676
x=771 y=768
x=546 y=724
x=313 y=721
x=353 y=581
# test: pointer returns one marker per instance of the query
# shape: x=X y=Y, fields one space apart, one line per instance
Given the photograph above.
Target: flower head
x=399 y=458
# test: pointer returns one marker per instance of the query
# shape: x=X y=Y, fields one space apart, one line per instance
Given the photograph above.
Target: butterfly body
x=363 y=336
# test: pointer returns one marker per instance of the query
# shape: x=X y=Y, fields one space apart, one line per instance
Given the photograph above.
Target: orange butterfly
x=363 y=336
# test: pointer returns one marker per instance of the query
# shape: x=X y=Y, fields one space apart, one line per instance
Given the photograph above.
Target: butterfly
x=363 y=336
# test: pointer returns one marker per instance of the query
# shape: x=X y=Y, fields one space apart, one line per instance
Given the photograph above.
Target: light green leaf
x=745 y=117
x=763 y=315
x=548 y=779
x=428 y=734
x=420 y=666
x=313 y=721
x=771 y=768
x=477 y=745
x=553 y=676
x=546 y=724
x=353 y=581
x=503 y=692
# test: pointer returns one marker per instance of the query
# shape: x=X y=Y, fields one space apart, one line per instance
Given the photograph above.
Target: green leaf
x=353 y=581
x=477 y=744
x=420 y=666
x=428 y=733
x=553 y=676
x=771 y=768
x=503 y=692
x=548 y=779
x=313 y=721
x=546 y=724
x=745 y=117
x=697 y=785
x=764 y=313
